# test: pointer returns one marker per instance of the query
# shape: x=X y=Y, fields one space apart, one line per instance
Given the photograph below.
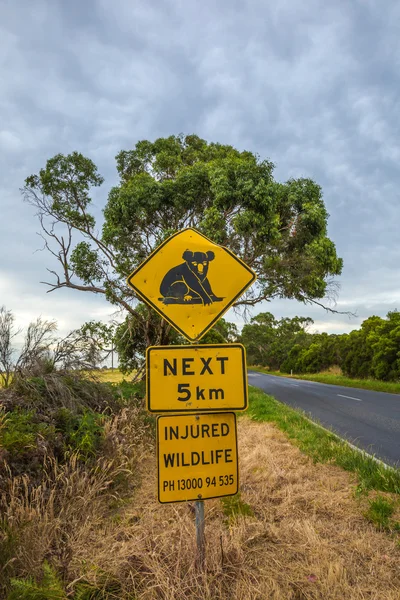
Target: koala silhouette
x=187 y=283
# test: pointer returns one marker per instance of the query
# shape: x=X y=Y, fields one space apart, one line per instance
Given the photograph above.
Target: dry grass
x=307 y=538
x=105 y=375
x=56 y=519
x=111 y=375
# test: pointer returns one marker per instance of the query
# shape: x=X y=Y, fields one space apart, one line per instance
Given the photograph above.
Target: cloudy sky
x=314 y=86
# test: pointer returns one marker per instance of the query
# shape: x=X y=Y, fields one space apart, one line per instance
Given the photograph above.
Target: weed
x=132 y=390
x=50 y=391
x=87 y=433
x=49 y=588
x=9 y=540
x=20 y=429
x=379 y=512
x=234 y=506
x=72 y=448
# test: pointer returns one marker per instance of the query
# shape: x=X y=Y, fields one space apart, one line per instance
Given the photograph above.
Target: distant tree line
x=373 y=351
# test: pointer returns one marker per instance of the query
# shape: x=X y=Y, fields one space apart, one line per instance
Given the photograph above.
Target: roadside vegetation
x=79 y=514
x=70 y=447
x=368 y=357
x=87 y=525
x=335 y=378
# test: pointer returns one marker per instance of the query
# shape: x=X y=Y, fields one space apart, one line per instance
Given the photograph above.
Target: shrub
x=20 y=429
x=49 y=588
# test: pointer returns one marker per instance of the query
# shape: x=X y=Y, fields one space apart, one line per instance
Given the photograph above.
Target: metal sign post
x=200 y=534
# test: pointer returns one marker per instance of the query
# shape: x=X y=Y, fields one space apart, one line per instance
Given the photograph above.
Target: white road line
x=255 y=375
x=294 y=384
x=350 y=397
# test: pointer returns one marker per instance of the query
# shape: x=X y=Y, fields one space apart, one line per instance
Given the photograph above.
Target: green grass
x=380 y=512
x=234 y=506
x=332 y=379
x=322 y=445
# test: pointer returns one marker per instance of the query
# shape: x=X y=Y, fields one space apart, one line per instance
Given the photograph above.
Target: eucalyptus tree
x=278 y=229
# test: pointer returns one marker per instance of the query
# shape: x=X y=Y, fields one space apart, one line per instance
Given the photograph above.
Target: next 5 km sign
x=197 y=457
x=196 y=378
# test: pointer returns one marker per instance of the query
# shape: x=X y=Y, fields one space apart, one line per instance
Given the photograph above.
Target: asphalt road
x=369 y=420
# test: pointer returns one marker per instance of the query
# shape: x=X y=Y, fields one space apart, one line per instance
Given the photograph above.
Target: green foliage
x=322 y=445
x=87 y=436
x=269 y=341
x=131 y=391
x=49 y=588
x=279 y=229
x=379 y=512
x=373 y=351
x=87 y=263
x=223 y=332
x=19 y=431
x=234 y=506
x=139 y=330
x=232 y=198
x=385 y=341
x=67 y=181
x=82 y=432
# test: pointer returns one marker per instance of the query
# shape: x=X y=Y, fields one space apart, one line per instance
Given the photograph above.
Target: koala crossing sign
x=191 y=282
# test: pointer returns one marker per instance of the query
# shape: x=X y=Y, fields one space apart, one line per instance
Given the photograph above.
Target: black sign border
x=163 y=315
x=198 y=410
x=197 y=497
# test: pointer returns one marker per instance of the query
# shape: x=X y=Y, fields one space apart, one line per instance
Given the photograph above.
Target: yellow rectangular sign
x=207 y=377
x=197 y=457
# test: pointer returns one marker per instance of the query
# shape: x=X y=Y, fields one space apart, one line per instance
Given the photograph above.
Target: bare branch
x=39 y=338
x=329 y=309
x=7 y=333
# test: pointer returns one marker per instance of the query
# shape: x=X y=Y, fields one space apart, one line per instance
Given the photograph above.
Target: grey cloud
x=313 y=86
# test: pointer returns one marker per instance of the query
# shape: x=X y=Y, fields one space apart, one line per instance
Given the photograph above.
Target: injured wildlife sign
x=197 y=457
x=191 y=282
x=207 y=377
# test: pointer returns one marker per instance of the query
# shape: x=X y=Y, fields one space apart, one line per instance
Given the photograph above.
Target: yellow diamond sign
x=191 y=282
